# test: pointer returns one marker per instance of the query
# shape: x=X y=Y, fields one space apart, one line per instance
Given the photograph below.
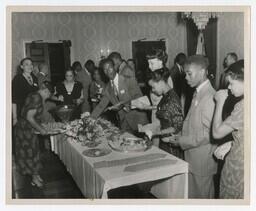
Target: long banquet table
x=169 y=180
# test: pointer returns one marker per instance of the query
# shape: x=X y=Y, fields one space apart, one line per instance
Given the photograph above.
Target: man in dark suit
x=119 y=91
x=178 y=74
x=120 y=65
x=180 y=86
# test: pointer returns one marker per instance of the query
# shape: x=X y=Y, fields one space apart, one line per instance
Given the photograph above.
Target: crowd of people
x=191 y=120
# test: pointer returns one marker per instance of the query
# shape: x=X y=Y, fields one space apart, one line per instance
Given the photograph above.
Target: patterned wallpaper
x=230 y=37
x=91 y=32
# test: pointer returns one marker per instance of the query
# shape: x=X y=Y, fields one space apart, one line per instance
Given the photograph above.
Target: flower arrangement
x=89 y=131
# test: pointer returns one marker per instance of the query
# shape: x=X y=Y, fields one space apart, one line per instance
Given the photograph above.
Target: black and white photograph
x=128 y=104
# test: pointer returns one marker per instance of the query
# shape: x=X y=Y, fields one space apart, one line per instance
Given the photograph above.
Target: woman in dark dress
x=169 y=110
x=23 y=84
x=26 y=141
x=70 y=92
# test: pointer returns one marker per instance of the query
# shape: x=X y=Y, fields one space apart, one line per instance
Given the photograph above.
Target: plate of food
x=130 y=144
x=53 y=128
x=96 y=152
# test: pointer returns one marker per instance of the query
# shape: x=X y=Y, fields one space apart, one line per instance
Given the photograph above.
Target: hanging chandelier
x=200 y=18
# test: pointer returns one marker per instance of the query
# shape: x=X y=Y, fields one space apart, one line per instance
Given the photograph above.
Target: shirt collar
x=42 y=73
x=201 y=86
x=115 y=80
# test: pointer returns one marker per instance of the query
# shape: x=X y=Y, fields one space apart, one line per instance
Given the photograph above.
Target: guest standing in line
x=131 y=63
x=42 y=75
x=169 y=110
x=70 y=92
x=84 y=77
x=184 y=91
x=157 y=60
x=121 y=67
x=195 y=138
x=96 y=88
x=22 y=85
x=232 y=175
x=178 y=74
x=27 y=143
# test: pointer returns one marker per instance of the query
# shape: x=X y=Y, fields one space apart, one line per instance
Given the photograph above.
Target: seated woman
x=232 y=175
x=26 y=141
x=70 y=92
x=169 y=110
x=96 y=88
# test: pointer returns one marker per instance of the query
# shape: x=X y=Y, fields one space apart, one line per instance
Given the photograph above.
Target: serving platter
x=130 y=144
x=96 y=152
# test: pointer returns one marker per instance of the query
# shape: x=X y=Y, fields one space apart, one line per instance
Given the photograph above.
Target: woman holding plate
x=27 y=143
x=168 y=111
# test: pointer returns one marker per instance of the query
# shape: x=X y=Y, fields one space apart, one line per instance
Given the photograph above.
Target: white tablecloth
x=172 y=180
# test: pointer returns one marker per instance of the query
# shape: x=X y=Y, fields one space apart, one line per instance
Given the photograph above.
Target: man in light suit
x=120 y=91
x=195 y=139
x=121 y=66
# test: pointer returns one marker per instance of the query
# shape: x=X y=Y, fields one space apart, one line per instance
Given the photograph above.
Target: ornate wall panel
x=91 y=32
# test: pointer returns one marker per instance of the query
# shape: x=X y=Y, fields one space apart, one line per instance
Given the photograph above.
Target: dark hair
x=159 y=54
x=47 y=85
x=115 y=55
x=24 y=59
x=70 y=70
x=233 y=55
x=75 y=65
x=105 y=61
x=160 y=74
x=99 y=71
x=180 y=58
x=89 y=63
x=236 y=70
x=199 y=60
x=131 y=60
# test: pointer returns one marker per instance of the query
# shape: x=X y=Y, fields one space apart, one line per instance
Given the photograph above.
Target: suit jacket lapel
x=112 y=95
x=205 y=89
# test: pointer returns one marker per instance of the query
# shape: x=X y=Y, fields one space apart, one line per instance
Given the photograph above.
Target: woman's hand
x=168 y=130
x=174 y=140
x=43 y=131
x=221 y=95
x=61 y=98
x=79 y=101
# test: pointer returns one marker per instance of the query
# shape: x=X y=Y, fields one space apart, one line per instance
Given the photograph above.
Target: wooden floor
x=60 y=185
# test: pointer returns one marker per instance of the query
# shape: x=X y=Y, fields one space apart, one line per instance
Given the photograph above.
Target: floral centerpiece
x=91 y=131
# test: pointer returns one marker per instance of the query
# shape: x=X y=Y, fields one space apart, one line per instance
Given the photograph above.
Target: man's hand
x=116 y=107
x=61 y=98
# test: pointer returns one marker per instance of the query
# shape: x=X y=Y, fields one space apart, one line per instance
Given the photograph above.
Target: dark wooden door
x=139 y=51
x=55 y=55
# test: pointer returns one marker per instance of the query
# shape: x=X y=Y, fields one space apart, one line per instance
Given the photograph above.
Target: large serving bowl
x=63 y=112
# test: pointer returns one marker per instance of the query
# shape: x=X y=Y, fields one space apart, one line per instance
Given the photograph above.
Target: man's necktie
x=194 y=98
x=30 y=80
x=114 y=88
